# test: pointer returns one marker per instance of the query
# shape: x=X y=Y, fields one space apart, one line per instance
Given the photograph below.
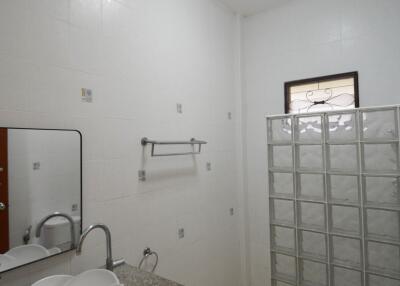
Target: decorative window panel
x=327 y=93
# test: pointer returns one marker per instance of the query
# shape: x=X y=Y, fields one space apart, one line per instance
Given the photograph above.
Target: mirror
x=40 y=194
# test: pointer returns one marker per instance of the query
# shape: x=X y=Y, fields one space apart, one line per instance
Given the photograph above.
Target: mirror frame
x=81 y=194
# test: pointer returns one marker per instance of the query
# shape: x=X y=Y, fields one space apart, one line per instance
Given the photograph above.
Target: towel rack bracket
x=144 y=141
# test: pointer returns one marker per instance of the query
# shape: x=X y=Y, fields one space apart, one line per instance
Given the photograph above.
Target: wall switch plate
x=87 y=95
x=231 y=211
x=36 y=165
x=208 y=166
x=181 y=233
x=179 y=108
x=142 y=175
x=230 y=115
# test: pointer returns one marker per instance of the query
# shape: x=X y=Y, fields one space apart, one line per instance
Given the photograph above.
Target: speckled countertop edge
x=129 y=275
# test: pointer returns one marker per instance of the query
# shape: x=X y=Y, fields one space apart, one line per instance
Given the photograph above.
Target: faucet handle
x=118 y=262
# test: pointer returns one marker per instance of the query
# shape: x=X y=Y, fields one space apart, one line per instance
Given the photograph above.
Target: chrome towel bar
x=192 y=142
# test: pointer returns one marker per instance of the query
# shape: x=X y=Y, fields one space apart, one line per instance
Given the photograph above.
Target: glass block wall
x=334 y=198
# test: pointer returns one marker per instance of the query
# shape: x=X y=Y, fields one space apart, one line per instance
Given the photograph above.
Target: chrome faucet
x=110 y=263
x=58 y=214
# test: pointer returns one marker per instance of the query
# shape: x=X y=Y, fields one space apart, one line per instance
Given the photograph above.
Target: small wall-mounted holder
x=192 y=142
x=86 y=95
x=74 y=207
x=179 y=108
x=181 y=233
x=36 y=165
x=142 y=175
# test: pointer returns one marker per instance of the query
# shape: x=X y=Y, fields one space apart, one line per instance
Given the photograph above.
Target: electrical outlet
x=230 y=115
x=179 y=108
x=231 y=211
x=87 y=95
x=208 y=166
x=181 y=233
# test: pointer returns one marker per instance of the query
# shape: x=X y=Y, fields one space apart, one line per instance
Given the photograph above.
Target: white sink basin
x=6 y=262
x=28 y=253
x=95 y=277
x=98 y=277
x=54 y=250
x=57 y=280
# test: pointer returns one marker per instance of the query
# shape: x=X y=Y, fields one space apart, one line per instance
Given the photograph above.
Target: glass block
x=379 y=124
x=380 y=157
x=283 y=265
x=344 y=189
x=282 y=211
x=309 y=129
x=346 y=277
x=313 y=273
x=311 y=186
x=343 y=157
x=281 y=129
x=383 y=224
x=310 y=157
x=382 y=190
x=280 y=283
x=282 y=156
x=374 y=280
x=345 y=219
x=342 y=127
x=312 y=244
x=346 y=251
x=312 y=215
x=281 y=184
x=383 y=258
x=283 y=238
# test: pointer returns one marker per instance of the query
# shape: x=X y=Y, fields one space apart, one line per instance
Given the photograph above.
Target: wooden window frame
x=354 y=75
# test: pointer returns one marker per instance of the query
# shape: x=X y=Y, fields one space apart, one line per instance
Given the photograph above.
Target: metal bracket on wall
x=193 y=142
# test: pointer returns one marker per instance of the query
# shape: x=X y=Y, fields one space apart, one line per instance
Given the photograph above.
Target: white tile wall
x=140 y=58
x=305 y=39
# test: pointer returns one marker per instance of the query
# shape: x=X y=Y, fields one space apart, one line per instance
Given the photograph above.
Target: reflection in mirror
x=40 y=194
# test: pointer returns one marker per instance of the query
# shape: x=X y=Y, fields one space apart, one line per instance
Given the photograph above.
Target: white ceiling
x=248 y=7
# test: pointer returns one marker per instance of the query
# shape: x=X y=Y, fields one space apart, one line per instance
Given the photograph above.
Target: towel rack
x=146 y=253
x=192 y=142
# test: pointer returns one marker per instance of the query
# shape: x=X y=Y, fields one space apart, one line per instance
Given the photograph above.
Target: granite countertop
x=131 y=276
